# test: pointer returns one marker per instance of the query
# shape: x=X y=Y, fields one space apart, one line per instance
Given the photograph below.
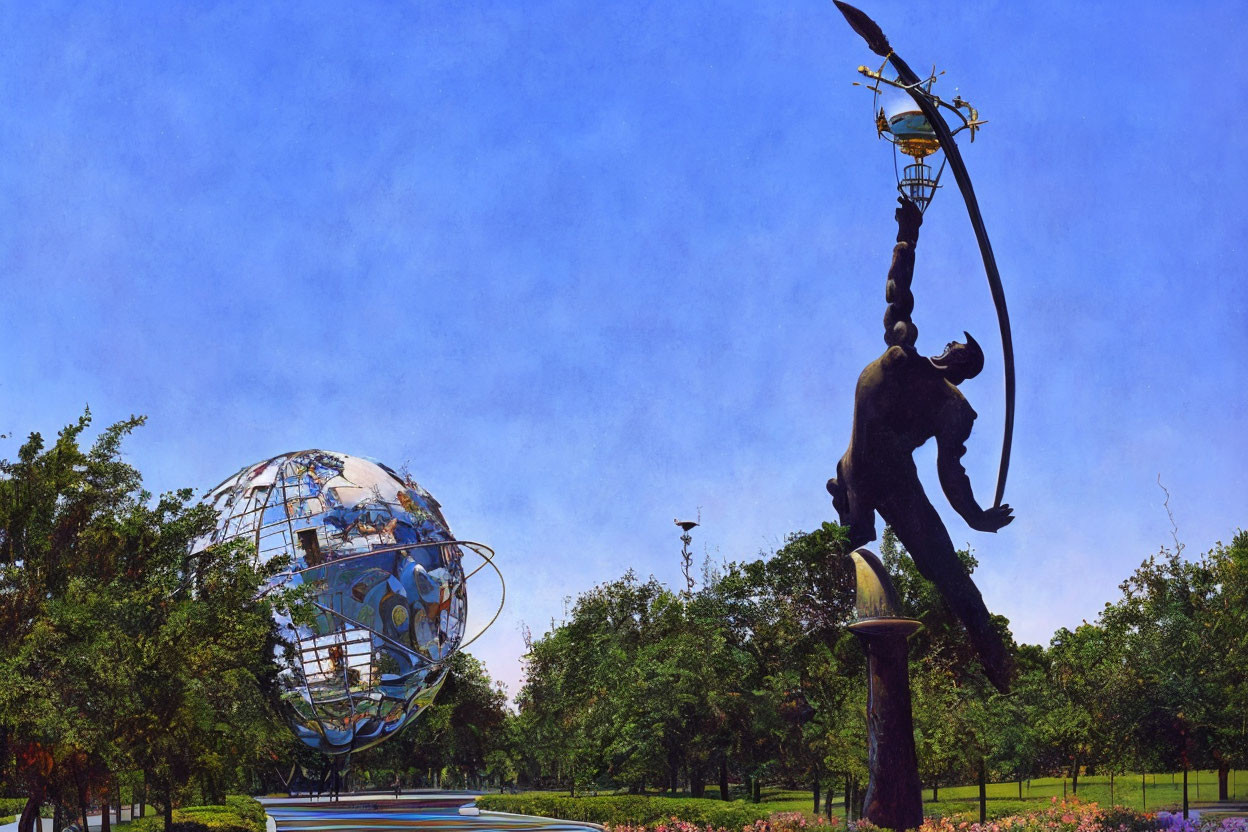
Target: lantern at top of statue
x=386 y=584
x=907 y=128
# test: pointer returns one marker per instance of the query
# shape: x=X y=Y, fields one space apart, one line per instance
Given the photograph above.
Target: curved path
x=430 y=811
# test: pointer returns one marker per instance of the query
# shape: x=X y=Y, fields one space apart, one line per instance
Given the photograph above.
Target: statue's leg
x=906 y=508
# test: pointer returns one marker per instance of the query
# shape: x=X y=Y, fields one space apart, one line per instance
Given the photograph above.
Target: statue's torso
x=900 y=402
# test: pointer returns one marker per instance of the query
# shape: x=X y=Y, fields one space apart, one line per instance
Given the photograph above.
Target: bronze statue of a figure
x=902 y=400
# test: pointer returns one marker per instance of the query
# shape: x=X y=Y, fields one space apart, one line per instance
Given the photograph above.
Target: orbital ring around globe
x=384 y=582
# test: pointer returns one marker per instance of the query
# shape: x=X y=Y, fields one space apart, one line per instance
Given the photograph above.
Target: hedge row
x=12 y=805
x=239 y=814
x=629 y=809
x=11 y=808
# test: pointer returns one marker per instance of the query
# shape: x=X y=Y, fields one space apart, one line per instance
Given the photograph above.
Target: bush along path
x=641 y=814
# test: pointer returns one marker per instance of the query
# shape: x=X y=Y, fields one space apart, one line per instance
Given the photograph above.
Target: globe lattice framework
x=386 y=580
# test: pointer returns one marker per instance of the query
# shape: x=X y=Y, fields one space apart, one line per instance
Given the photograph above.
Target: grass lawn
x=1158 y=791
x=1162 y=791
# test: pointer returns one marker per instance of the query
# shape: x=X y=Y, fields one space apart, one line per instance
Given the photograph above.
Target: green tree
x=119 y=651
x=463 y=735
x=1185 y=642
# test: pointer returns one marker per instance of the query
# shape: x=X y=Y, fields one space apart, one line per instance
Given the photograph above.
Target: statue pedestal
x=894 y=799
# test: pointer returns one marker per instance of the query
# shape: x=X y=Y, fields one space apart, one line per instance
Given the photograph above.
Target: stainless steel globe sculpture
x=386 y=580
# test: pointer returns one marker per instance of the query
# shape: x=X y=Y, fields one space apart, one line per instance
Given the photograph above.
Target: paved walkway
x=430 y=811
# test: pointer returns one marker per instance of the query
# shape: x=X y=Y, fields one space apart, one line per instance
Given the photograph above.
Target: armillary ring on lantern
x=909 y=132
x=384 y=587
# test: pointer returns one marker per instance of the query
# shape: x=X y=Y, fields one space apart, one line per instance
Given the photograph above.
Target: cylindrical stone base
x=893 y=799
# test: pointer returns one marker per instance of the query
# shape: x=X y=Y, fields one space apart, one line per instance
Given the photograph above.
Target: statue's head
x=960 y=361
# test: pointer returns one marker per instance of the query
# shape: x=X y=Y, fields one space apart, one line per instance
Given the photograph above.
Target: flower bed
x=1174 y=822
x=1058 y=816
x=776 y=822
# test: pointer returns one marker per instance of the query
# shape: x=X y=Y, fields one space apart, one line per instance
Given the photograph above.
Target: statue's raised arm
x=899 y=330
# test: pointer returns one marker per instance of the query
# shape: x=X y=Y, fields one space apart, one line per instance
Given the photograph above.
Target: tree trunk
x=1184 y=790
x=105 y=815
x=935 y=790
x=723 y=778
x=168 y=807
x=816 y=809
x=58 y=817
x=1224 y=773
x=1020 y=788
x=697 y=782
x=30 y=813
x=827 y=800
x=758 y=790
x=118 y=782
x=1074 y=776
x=1143 y=793
x=81 y=778
x=983 y=793
x=849 y=795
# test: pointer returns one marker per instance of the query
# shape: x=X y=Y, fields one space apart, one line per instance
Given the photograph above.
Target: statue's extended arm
x=899 y=330
x=950 y=448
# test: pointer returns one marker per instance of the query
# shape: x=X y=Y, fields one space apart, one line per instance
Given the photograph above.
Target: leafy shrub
x=654 y=814
x=630 y=810
x=247 y=808
x=239 y=814
x=12 y=805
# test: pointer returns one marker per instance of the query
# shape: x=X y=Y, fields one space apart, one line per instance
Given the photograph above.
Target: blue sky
x=587 y=267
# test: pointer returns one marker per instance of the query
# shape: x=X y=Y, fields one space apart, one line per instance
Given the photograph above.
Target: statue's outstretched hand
x=909 y=218
x=993 y=519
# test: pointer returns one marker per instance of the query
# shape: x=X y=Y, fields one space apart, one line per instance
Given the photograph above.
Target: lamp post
x=686 y=556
